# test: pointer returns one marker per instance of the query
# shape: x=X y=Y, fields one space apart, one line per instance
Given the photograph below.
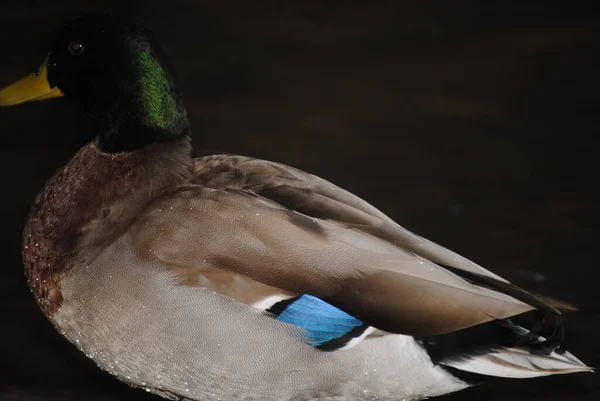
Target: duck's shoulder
x=290 y=187
x=243 y=172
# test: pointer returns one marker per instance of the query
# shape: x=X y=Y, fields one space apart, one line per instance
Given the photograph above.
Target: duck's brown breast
x=86 y=203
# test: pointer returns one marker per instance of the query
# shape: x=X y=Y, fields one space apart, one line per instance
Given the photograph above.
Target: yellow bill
x=31 y=88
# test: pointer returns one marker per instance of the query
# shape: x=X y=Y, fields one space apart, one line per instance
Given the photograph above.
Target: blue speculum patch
x=322 y=322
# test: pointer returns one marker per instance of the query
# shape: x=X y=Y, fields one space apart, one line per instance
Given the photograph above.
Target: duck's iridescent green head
x=114 y=68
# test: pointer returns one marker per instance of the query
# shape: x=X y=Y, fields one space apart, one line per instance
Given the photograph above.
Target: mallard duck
x=227 y=277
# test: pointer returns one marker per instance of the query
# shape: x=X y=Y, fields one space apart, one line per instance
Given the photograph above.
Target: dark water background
x=472 y=123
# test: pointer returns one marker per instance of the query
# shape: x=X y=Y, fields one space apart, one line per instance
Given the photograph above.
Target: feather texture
x=348 y=268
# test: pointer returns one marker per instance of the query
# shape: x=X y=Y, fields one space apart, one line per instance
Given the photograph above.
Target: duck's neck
x=121 y=133
x=147 y=106
x=90 y=200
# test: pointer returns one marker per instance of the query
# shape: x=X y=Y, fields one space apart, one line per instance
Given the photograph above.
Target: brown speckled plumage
x=93 y=187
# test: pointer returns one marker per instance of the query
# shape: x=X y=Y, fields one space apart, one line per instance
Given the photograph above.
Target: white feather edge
x=355 y=341
x=269 y=301
x=518 y=363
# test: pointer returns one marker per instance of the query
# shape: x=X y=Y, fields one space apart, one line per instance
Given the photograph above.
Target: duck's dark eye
x=76 y=48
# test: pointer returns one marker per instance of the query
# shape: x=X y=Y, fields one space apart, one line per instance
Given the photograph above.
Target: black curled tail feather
x=528 y=339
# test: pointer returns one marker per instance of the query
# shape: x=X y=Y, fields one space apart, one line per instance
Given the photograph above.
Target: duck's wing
x=315 y=197
x=298 y=235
